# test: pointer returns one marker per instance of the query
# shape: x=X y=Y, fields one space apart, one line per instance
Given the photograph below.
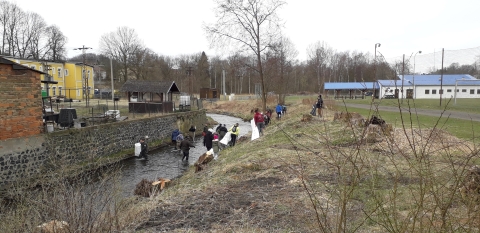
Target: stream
x=166 y=163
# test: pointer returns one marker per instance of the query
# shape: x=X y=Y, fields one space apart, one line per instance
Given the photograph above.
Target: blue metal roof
x=394 y=83
x=434 y=79
x=350 y=86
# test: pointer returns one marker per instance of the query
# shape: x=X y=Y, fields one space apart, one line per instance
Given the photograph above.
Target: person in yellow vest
x=235 y=131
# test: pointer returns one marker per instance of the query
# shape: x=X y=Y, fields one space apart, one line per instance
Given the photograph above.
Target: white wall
x=449 y=92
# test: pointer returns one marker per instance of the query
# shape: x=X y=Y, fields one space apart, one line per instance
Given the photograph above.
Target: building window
x=59 y=70
x=427 y=92
x=66 y=72
x=464 y=90
x=53 y=90
x=478 y=91
x=33 y=67
x=40 y=68
x=449 y=90
x=434 y=91
x=59 y=90
x=53 y=71
x=472 y=91
x=78 y=92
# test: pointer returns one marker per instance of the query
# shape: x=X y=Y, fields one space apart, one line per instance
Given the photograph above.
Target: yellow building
x=67 y=75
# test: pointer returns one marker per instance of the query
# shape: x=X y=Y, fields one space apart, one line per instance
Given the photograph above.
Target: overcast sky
x=174 y=27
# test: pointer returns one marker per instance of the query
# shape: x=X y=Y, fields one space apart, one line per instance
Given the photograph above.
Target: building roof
x=150 y=86
x=394 y=83
x=435 y=79
x=350 y=86
x=17 y=66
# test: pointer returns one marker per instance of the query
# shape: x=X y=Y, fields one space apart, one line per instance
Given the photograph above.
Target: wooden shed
x=208 y=93
x=150 y=96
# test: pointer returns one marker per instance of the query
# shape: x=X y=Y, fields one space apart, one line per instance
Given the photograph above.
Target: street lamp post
x=414 y=87
x=84 y=76
x=375 y=70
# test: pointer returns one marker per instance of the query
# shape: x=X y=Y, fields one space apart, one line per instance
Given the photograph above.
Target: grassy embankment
x=321 y=176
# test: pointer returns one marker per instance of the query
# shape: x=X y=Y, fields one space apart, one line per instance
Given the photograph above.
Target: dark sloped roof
x=150 y=86
x=17 y=66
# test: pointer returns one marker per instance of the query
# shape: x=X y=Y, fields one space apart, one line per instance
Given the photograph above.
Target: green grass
x=460 y=128
x=461 y=105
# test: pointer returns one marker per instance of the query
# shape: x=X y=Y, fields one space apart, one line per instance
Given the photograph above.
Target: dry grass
x=317 y=176
x=320 y=176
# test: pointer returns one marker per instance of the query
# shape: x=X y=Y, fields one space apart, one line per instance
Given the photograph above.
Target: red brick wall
x=20 y=103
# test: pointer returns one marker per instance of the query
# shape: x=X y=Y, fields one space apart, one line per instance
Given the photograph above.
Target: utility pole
x=403 y=74
x=84 y=74
x=111 y=76
x=441 y=81
x=189 y=74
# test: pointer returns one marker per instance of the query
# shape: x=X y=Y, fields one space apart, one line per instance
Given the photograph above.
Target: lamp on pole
x=414 y=88
x=375 y=70
x=84 y=76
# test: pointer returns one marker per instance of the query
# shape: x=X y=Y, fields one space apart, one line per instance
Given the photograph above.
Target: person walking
x=174 y=138
x=279 y=109
x=192 y=132
x=319 y=106
x=144 y=149
x=235 y=131
x=259 y=121
x=185 y=146
x=207 y=139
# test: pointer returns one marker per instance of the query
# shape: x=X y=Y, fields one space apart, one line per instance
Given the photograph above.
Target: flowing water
x=166 y=163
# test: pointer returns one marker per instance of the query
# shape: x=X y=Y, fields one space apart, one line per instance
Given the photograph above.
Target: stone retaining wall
x=25 y=158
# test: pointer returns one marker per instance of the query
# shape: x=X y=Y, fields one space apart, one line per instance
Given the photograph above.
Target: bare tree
x=284 y=53
x=252 y=25
x=55 y=47
x=121 y=45
x=319 y=55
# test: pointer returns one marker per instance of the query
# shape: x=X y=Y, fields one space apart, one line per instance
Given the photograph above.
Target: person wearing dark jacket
x=192 y=131
x=319 y=105
x=207 y=139
x=144 y=149
x=222 y=131
x=185 y=147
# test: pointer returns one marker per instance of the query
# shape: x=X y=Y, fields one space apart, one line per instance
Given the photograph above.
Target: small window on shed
x=427 y=91
x=478 y=91
x=464 y=90
x=472 y=91
x=449 y=90
x=434 y=91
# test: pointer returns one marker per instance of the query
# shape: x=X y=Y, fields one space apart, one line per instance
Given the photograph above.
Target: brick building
x=20 y=100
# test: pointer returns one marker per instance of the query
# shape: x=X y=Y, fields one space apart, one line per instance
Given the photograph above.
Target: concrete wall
x=26 y=158
x=20 y=103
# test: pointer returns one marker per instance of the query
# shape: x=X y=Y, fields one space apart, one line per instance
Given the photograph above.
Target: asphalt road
x=426 y=112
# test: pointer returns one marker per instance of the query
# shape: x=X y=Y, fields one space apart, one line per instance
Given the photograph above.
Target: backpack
x=234 y=129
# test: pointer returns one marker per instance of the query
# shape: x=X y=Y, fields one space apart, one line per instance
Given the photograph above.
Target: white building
x=430 y=86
